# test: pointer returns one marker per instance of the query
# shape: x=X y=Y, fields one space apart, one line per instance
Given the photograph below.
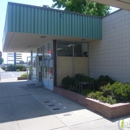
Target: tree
x=1 y=60
x=83 y=6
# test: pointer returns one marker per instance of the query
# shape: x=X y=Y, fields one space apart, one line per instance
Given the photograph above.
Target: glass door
x=48 y=66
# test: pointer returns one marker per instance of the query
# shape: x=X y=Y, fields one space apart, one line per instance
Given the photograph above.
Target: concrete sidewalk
x=23 y=106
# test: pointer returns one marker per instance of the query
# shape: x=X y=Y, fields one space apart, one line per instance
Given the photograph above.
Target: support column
x=14 y=58
x=55 y=62
x=31 y=64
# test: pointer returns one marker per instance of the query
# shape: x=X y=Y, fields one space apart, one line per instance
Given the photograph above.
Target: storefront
x=57 y=59
x=58 y=40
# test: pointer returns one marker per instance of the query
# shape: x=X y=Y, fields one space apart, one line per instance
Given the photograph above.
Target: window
x=72 y=49
x=65 y=49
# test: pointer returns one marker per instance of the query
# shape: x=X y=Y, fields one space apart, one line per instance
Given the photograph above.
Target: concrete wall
x=111 y=55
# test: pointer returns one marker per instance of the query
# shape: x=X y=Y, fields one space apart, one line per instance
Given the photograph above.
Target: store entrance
x=48 y=66
x=39 y=70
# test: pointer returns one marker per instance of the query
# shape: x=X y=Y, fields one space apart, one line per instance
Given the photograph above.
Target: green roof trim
x=38 y=20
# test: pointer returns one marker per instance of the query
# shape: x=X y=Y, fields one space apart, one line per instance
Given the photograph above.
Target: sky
x=3 y=6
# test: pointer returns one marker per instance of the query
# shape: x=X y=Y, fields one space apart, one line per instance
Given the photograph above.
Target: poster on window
x=50 y=54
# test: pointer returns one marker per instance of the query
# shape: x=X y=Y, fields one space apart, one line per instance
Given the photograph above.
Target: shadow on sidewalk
x=23 y=100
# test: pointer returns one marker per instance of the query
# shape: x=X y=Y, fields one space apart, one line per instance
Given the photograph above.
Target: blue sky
x=3 y=6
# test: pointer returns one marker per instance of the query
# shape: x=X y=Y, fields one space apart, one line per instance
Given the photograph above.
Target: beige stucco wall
x=111 y=55
x=81 y=65
x=65 y=67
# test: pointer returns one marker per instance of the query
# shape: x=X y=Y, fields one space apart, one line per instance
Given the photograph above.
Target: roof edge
x=13 y=3
x=112 y=13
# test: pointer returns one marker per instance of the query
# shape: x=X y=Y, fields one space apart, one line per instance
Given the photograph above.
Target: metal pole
x=0 y=72
x=27 y=68
x=73 y=60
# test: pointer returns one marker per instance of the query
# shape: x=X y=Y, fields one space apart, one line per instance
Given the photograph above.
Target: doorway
x=47 y=66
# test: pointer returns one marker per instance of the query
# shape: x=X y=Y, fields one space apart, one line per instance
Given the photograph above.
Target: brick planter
x=21 y=78
x=105 y=109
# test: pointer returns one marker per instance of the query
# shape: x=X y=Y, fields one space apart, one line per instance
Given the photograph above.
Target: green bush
x=85 y=92
x=120 y=91
x=115 y=93
x=21 y=67
x=102 y=81
x=3 y=67
x=82 y=78
x=68 y=83
x=95 y=95
x=99 y=96
x=11 y=68
x=72 y=83
x=18 y=70
x=24 y=75
x=16 y=67
x=106 y=89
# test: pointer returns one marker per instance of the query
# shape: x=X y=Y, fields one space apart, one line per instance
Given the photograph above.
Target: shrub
x=106 y=90
x=108 y=99
x=120 y=91
x=68 y=83
x=102 y=81
x=83 y=78
x=115 y=93
x=95 y=95
x=24 y=75
x=109 y=91
x=72 y=83
x=11 y=68
x=87 y=91
x=16 y=67
x=99 y=96
x=21 y=67
x=18 y=70
x=3 y=67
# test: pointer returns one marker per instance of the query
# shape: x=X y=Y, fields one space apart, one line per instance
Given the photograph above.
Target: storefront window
x=45 y=72
x=39 y=51
x=50 y=73
x=64 y=49
x=33 y=66
x=48 y=61
x=72 y=49
x=80 y=50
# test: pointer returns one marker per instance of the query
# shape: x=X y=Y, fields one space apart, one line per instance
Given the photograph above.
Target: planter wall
x=105 y=109
x=21 y=78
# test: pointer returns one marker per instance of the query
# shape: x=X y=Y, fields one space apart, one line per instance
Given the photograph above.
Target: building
x=14 y=58
x=65 y=43
x=10 y=58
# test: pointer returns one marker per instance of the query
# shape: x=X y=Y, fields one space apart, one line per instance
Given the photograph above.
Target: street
x=5 y=75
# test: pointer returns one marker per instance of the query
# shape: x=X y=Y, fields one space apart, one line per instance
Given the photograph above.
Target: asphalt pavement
x=10 y=74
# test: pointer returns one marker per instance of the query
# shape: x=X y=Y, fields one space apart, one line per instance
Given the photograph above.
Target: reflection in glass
x=80 y=49
x=50 y=73
x=66 y=49
x=48 y=61
x=45 y=72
